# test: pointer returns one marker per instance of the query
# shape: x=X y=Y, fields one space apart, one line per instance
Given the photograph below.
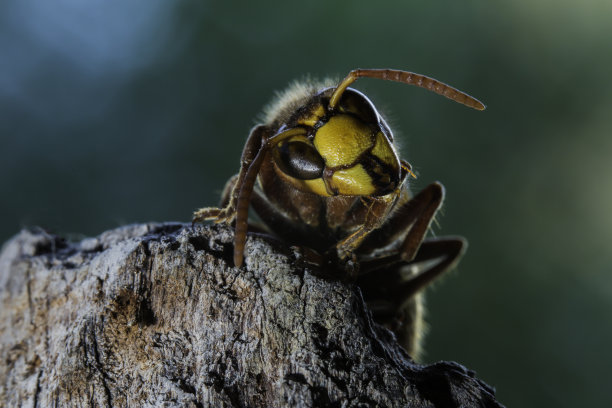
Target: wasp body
x=329 y=179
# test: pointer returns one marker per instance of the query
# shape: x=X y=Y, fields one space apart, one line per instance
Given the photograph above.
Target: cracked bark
x=155 y=315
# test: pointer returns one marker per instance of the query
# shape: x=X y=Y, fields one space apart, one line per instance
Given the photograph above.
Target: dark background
x=117 y=112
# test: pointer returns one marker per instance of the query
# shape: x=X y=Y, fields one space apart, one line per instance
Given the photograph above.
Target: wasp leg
x=393 y=293
x=226 y=195
x=214 y=213
x=414 y=216
x=227 y=211
x=377 y=211
x=246 y=185
x=445 y=250
x=411 y=221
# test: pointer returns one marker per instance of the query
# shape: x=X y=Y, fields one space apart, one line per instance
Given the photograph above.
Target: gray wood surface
x=155 y=315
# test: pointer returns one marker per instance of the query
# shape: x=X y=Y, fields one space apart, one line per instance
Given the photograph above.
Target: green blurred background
x=125 y=111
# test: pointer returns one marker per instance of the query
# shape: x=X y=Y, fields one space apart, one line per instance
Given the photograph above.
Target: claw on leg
x=218 y=215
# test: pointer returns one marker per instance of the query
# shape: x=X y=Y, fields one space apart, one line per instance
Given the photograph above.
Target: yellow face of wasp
x=361 y=161
x=341 y=155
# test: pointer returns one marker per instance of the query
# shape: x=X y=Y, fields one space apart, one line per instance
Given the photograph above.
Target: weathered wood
x=154 y=315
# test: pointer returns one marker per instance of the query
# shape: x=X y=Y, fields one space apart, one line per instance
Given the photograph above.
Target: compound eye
x=299 y=160
x=359 y=105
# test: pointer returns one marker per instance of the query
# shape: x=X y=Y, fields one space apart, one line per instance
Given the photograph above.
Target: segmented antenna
x=409 y=78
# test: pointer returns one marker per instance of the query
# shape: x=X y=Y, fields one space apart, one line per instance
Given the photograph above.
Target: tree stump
x=156 y=315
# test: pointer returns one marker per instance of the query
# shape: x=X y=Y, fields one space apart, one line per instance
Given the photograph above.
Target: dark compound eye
x=299 y=160
x=359 y=105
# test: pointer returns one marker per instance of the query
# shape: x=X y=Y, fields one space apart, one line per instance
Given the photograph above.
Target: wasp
x=322 y=173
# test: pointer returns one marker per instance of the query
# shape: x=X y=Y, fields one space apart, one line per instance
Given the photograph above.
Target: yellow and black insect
x=329 y=179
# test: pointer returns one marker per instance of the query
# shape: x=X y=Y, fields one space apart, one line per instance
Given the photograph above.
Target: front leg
x=255 y=151
x=218 y=214
x=409 y=222
x=229 y=200
x=377 y=211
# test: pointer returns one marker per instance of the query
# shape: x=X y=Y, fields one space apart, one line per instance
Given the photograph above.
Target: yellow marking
x=341 y=140
x=316 y=186
x=353 y=181
x=313 y=116
x=384 y=151
x=296 y=138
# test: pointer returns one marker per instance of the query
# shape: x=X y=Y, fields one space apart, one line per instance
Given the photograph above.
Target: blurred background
x=124 y=111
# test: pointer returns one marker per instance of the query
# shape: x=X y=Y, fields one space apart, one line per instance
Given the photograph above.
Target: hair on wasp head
x=322 y=172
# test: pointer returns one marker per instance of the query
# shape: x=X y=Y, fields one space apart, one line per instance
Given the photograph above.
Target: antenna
x=409 y=78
